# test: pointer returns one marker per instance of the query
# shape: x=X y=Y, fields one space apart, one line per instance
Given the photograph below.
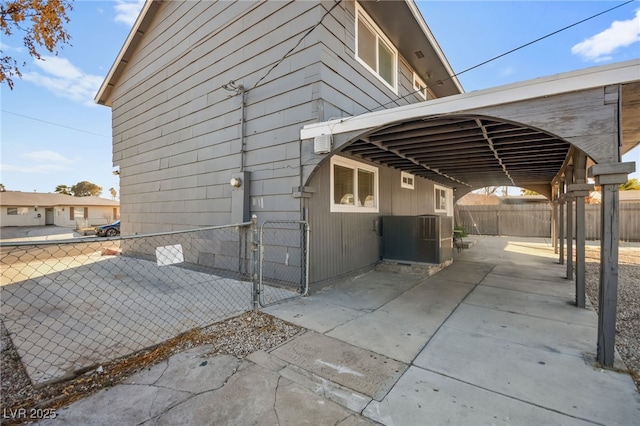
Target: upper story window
x=375 y=51
x=419 y=86
x=354 y=186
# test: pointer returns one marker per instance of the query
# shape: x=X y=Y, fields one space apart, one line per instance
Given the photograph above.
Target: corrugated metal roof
x=24 y=199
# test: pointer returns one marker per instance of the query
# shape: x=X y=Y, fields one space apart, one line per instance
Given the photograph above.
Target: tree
x=113 y=193
x=524 y=191
x=2 y=188
x=85 y=189
x=42 y=24
x=630 y=185
x=63 y=189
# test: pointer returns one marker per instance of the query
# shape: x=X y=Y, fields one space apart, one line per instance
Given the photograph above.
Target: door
x=48 y=216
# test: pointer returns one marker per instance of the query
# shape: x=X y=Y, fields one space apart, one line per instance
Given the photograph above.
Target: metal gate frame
x=259 y=244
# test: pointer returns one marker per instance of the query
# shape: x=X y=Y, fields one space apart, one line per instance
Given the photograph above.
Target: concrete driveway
x=13 y=234
x=493 y=339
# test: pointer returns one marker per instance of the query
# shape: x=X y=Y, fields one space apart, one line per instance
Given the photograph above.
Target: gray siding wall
x=344 y=242
x=176 y=131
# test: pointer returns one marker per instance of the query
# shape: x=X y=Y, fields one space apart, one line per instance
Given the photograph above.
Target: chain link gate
x=284 y=261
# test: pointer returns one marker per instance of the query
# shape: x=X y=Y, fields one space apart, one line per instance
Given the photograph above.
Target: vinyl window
x=375 y=51
x=407 y=180
x=354 y=186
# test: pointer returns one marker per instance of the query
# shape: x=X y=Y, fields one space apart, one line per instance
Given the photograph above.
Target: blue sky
x=52 y=132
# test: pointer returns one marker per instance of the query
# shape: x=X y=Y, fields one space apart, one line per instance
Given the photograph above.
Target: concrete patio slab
x=568 y=338
x=315 y=313
x=540 y=377
x=561 y=288
x=538 y=305
x=425 y=398
x=400 y=328
x=350 y=366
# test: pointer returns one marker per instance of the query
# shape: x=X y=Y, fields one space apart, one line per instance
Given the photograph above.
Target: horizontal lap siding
x=176 y=131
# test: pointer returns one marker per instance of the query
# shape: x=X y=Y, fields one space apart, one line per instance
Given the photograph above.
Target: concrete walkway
x=493 y=339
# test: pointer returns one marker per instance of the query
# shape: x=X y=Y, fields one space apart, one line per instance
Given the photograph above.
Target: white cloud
x=600 y=46
x=65 y=79
x=45 y=162
x=45 y=156
x=127 y=11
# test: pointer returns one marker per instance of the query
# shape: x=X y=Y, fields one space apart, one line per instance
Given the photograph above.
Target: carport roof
x=447 y=141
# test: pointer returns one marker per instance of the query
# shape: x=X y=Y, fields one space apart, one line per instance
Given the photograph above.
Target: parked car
x=110 y=230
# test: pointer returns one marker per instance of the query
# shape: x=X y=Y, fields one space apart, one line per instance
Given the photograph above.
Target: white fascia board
x=622 y=72
x=123 y=50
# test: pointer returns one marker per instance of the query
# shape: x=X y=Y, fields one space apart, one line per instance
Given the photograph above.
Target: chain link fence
x=70 y=305
x=284 y=255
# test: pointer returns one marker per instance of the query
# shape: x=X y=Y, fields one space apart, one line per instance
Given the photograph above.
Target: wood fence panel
x=534 y=220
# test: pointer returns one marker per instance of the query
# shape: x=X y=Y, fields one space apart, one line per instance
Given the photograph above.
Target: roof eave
x=103 y=97
x=434 y=43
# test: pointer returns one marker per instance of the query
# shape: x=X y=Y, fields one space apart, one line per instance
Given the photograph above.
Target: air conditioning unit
x=322 y=144
x=421 y=239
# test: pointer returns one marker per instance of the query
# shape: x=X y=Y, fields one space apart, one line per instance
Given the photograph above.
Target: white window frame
x=407 y=180
x=364 y=16
x=355 y=165
x=419 y=86
x=447 y=193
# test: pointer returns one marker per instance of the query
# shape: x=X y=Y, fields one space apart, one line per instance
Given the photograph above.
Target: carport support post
x=561 y=230
x=569 y=200
x=609 y=176
x=579 y=191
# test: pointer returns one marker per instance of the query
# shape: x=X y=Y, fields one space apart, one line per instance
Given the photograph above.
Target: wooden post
x=579 y=191
x=561 y=221
x=570 y=225
x=554 y=226
x=609 y=176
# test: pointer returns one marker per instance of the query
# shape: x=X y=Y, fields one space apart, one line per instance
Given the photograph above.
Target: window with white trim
x=17 y=211
x=441 y=199
x=407 y=180
x=419 y=86
x=354 y=186
x=375 y=51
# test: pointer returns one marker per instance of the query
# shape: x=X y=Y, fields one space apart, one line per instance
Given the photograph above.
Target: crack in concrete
x=275 y=399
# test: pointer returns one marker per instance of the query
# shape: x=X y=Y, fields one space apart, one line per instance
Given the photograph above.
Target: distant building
x=38 y=209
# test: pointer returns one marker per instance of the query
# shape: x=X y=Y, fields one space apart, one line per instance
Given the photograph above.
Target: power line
x=509 y=52
x=53 y=124
x=541 y=38
x=298 y=43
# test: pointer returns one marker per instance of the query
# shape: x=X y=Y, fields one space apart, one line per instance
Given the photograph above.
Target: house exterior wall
x=177 y=132
x=344 y=242
x=36 y=216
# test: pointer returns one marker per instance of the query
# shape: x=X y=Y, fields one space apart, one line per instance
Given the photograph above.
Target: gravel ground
x=628 y=313
x=239 y=336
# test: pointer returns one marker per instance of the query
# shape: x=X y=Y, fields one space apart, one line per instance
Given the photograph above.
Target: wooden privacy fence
x=534 y=220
